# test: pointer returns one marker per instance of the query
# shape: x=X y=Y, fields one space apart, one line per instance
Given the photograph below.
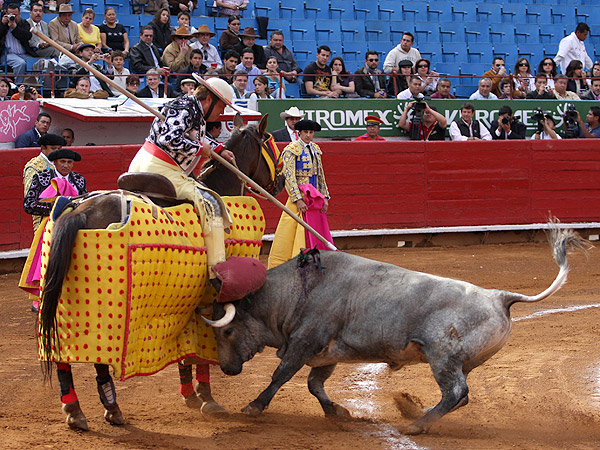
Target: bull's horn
x=225 y=320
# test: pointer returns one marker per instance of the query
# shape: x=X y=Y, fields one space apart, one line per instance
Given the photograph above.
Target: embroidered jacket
x=301 y=166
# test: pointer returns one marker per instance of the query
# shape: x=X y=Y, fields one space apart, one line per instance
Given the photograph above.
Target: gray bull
x=361 y=310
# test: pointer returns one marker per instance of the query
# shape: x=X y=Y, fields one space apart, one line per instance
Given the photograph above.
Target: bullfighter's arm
x=289 y=170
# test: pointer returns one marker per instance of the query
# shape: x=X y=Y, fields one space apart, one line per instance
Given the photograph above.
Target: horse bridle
x=272 y=186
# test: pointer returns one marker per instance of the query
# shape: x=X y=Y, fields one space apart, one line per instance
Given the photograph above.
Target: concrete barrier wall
x=399 y=184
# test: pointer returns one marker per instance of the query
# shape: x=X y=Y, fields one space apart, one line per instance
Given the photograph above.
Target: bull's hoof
x=193 y=402
x=413 y=430
x=213 y=409
x=342 y=412
x=75 y=417
x=113 y=415
x=252 y=410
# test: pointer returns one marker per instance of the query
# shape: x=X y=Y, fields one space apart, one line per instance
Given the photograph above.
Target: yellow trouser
x=289 y=238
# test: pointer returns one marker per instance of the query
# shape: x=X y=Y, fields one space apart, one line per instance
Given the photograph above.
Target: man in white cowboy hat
x=288 y=133
x=63 y=30
x=248 y=41
x=177 y=54
x=209 y=51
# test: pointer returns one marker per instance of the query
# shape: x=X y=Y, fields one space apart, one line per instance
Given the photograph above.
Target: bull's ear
x=262 y=125
x=238 y=122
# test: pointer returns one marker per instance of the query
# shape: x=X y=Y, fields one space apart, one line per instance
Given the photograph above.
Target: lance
x=213 y=155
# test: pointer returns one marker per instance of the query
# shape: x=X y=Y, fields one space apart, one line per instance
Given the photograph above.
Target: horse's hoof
x=252 y=411
x=113 y=415
x=75 y=417
x=342 y=412
x=413 y=430
x=193 y=402
x=213 y=409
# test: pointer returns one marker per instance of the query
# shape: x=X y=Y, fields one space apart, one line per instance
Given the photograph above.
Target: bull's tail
x=561 y=241
x=64 y=233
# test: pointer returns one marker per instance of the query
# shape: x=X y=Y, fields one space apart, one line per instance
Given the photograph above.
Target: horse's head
x=257 y=155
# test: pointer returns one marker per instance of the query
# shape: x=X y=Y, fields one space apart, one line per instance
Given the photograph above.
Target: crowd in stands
x=175 y=53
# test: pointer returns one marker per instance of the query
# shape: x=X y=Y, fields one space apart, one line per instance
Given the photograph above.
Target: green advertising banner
x=345 y=118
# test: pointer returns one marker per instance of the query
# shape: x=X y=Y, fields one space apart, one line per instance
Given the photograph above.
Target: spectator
x=145 y=55
x=112 y=34
x=594 y=91
x=591 y=129
x=231 y=36
x=429 y=79
x=249 y=41
x=28 y=90
x=14 y=41
x=154 y=88
x=261 y=86
x=209 y=52
x=576 y=76
x=524 y=82
x=132 y=84
x=88 y=54
x=213 y=130
x=40 y=128
x=443 y=89
x=595 y=72
x=317 y=75
x=89 y=33
x=63 y=30
x=285 y=59
x=240 y=83
x=228 y=8
x=401 y=52
x=83 y=90
x=288 y=133
x=341 y=81
x=560 y=89
x=184 y=20
x=161 y=26
x=467 y=128
x=230 y=60
x=414 y=89
x=187 y=86
x=195 y=66
x=495 y=75
x=177 y=6
x=402 y=80
x=176 y=55
x=69 y=136
x=542 y=91
x=247 y=64
x=115 y=67
x=276 y=83
x=371 y=82
x=150 y=7
x=42 y=48
x=506 y=126
x=373 y=124
x=548 y=129
x=484 y=91
x=573 y=47
x=431 y=127
x=507 y=89
x=547 y=66
x=4 y=89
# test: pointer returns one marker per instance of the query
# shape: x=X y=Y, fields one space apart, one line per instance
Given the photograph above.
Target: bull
x=359 y=310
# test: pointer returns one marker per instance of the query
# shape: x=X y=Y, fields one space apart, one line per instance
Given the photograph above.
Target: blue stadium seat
x=557 y=15
x=533 y=52
x=302 y=29
x=527 y=33
x=305 y=49
x=438 y=11
x=464 y=11
x=398 y=27
x=430 y=51
x=502 y=33
x=220 y=25
x=327 y=29
x=552 y=33
x=366 y=10
x=377 y=30
x=388 y=9
x=477 y=32
x=513 y=12
x=341 y=10
x=455 y=52
x=353 y=51
x=292 y=90
x=538 y=14
x=415 y=10
x=509 y=52
x=336 y=48
x=488 y=12
x=426 y=32
x=267 y=8
x=120 y=7
x=452 y=32
x=351 y=29
x=131 y=22
x=279 y=24
x=291 y=12
x=479 y=52
x=315 y=9
x=464 y=90
x=380 y=47
x=97 y=6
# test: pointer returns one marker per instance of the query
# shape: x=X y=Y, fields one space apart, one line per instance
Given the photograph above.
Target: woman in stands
x=524 y=80
x=4 y=89
x=161 y=25
x=89 y=33
x=112 y=34
x=428 y=79
x=547 y=66
x=595 y=73
x=261 y=86
x=231 y=36
x=576 y=76
x=275 y=81
x=342 y=81
x=403 y=78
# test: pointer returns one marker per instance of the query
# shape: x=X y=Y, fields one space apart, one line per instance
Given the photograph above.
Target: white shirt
x=456 y=135
x=543 y=135
x=292 y=133
x=406 y=94
x=397 y=54
x=571 y=48
x=210 y=55
x=477 y=96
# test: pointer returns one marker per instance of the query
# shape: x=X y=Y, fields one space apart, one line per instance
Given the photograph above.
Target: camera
x=417 y=118
x=538 y=118
x=506 y=120
x=29 y=90
x=12 y=17
x=570 y=121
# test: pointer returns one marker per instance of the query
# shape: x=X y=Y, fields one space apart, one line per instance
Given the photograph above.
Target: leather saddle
x=158 y=187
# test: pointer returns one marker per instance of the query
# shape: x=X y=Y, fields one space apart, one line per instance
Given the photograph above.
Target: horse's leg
x=70 y=404
x=186 y=386
x=209 y=407
x=108 y=395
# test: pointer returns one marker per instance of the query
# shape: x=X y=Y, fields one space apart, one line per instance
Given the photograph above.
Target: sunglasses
x=134 y=83
x=422 y=66
x=373 y=60
x=523 y=64
x=548 y=64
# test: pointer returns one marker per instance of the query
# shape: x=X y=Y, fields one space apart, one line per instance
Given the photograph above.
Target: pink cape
x=314 y=217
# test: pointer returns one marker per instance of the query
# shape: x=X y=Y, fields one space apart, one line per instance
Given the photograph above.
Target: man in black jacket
x=372 y=86
x=144 y=55
x=154 y=88
x=506 y=126
x=288 y=133
x=14 y=38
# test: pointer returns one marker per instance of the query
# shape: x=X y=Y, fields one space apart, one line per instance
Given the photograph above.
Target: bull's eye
x=228 y=332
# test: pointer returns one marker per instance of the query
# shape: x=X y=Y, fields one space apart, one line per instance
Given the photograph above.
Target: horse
x=97 y=213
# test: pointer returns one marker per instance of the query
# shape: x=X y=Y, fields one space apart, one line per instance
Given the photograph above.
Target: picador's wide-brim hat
x=64 y=153
x=219 y=87
x=51 y=139
x=306 y=124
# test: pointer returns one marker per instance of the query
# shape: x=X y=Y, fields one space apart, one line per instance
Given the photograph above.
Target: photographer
x=546 y=127
x=14 y=41
x=506 y=126
x=591 y=129
x=427 y=124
